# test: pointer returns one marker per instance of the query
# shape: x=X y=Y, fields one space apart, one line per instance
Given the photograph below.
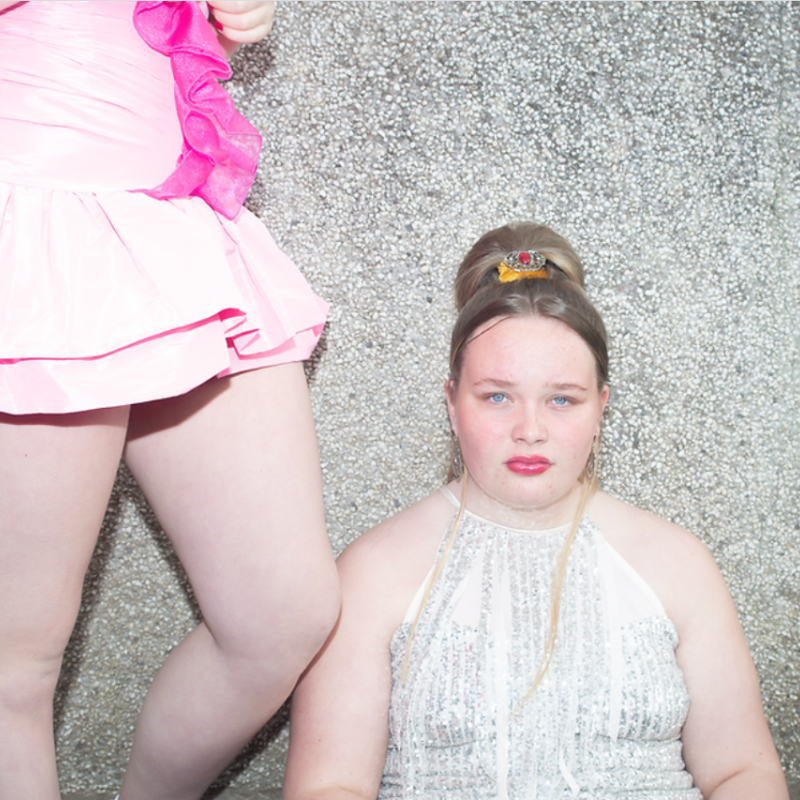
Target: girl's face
x=526 y=410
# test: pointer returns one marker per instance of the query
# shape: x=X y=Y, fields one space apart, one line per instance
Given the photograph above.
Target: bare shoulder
x=673 y=561
x=389 y=562
x=726 y=740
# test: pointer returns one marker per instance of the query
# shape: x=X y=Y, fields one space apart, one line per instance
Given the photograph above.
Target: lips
x=528 y=465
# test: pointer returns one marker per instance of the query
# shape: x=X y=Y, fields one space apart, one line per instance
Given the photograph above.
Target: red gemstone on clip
x=524 y=258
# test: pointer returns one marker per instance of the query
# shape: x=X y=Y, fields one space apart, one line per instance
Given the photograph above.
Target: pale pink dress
x=108 y=295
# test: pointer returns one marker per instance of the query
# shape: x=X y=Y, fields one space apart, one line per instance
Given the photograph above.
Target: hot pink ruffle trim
x=220 y=147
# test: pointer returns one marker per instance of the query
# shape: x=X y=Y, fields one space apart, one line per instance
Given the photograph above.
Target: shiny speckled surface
x=662 y=140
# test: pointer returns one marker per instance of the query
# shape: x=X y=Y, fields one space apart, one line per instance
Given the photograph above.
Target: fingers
x=242 y=21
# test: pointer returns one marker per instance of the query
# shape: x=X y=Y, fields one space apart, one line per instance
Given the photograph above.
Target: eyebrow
x=495 y=382
x=561 y=387
x=567 y=386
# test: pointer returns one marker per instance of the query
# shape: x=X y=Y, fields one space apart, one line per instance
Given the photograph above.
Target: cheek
x=578 y=442
x=478 y=436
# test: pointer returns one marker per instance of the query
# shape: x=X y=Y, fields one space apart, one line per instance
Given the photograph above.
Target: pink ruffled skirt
x=109 y=296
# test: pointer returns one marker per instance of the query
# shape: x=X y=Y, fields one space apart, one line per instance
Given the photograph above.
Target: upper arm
x=339 y=717
x=340 y=709
x=725 y=737
x=727 y=745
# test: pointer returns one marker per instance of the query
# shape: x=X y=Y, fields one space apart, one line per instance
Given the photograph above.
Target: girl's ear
x=449 y=393
x=604 y=398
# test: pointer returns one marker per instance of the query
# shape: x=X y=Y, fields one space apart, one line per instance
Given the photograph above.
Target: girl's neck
x=553 y=516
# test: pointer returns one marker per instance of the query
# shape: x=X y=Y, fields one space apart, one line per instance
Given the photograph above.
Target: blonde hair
x=481 y=297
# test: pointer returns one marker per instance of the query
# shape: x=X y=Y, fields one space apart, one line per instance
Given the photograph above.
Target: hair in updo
x=480 y=296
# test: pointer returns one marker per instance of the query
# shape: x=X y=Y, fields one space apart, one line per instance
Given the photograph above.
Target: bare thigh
x=232 y=472
x=56 y=475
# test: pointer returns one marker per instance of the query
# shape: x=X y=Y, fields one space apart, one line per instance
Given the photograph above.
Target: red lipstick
x=528 y=465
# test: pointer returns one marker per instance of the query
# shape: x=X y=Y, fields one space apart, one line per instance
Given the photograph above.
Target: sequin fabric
x=605 y=722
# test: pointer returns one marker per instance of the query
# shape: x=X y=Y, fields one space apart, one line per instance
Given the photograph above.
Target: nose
x=529 y=426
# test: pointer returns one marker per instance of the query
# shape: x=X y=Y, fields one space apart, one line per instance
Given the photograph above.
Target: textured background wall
x=662 y=139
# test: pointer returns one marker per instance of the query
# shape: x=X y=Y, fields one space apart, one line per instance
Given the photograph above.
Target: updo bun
x=481 y=296
x=479 y=266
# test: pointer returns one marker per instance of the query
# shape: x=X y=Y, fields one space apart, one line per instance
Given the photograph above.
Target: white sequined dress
x=605 y=722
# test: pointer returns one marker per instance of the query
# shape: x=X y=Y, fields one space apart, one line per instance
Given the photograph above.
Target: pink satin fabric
x=220 y=147
x=109 y=296
x=85 y=104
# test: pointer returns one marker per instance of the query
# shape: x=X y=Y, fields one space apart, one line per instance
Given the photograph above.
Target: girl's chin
x=542 y=502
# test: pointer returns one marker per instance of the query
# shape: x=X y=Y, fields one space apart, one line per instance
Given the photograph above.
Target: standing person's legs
x=56 y=474
x=232 y=472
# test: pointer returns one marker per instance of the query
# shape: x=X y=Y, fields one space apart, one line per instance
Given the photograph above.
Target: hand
x=241 y=21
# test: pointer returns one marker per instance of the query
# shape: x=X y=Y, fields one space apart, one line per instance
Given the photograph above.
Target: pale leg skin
x=232 y=472
x=56 y=475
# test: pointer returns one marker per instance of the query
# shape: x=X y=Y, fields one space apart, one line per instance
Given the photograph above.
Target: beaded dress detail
x=604 y=723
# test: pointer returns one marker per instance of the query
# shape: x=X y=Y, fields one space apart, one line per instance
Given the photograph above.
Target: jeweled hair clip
x=525 y=264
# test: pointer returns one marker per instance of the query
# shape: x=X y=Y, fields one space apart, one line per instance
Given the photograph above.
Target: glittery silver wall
x=662 y=139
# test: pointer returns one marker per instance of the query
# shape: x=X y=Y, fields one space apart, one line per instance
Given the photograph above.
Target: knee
x=318 y=606
x=28 y=683
x=284 y=624
x=31 y=653
x=305 y=614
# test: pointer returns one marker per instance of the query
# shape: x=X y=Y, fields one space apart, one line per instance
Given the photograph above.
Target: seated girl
x=520 y=634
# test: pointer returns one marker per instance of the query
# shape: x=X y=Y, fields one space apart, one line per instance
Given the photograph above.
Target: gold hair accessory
x=527 y=264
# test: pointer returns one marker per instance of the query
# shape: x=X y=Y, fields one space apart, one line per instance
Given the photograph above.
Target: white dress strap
x=450 y=496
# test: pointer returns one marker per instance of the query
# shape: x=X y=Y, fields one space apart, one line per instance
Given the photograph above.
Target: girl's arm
x=240 y=22
x=727 y=744
x=339 y=722
x=340 y=709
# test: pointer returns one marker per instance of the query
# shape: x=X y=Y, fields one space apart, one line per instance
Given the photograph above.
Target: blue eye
x=560 y=401
x=497 y=397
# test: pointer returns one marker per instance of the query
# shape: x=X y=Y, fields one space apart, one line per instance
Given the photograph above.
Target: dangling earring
x=594 y=458
x=457 y=464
